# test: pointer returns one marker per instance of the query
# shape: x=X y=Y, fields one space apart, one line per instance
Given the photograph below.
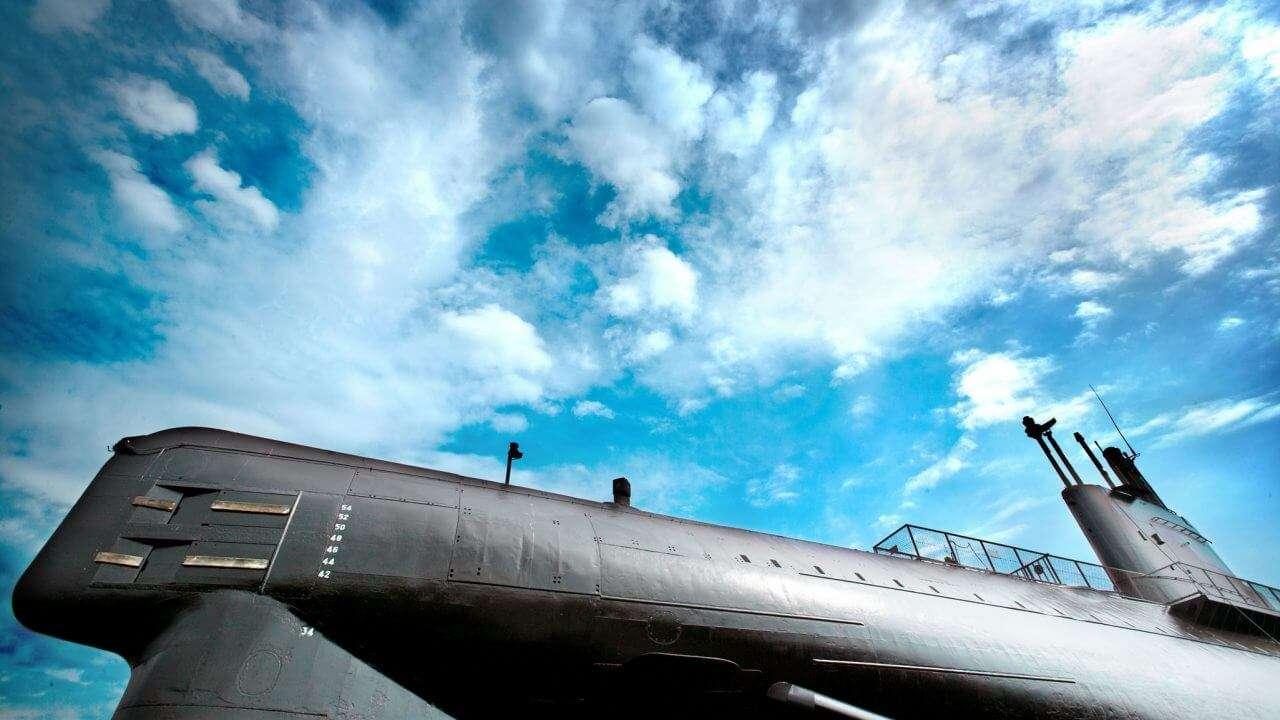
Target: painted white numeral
x=338 y=526
x=305 y=631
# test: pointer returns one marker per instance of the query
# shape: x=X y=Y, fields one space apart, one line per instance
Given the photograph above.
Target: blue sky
x=795 y=267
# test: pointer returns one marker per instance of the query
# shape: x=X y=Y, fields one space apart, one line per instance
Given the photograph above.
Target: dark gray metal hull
x=414 y=586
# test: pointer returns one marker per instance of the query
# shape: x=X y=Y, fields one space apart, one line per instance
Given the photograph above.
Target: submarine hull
x=249 y=578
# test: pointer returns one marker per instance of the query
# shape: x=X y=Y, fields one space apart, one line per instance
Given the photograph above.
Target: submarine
x=253 y=579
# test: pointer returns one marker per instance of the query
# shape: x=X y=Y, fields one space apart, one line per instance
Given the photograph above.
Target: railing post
x=1052 y=570
x=1082 y=575
x=912 y=535
x=1209 y=577
x=990 y=563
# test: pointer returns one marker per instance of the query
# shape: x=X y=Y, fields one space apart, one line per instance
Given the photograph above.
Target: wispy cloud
x=1230 y=322
x=232 y=201
x=71 y=675
x=592 y=408
x=224 y=78
x=1006 y=519
x=956 y=459
x=1208 y=418
x=144 y=206
x=778 y=487
x=77 y=16
x=152 y=106
x=1091 y=312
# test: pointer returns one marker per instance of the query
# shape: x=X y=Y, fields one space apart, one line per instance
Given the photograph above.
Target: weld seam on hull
x=952 y=671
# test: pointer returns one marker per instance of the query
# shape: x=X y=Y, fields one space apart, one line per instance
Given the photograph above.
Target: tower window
x=1155 y=537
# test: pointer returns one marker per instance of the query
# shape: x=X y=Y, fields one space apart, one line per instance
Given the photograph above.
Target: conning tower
x=1149 y=551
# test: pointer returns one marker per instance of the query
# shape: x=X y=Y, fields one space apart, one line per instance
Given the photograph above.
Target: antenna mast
x=1132 y=453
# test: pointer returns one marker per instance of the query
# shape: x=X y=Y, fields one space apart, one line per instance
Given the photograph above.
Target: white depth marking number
x=339 y=525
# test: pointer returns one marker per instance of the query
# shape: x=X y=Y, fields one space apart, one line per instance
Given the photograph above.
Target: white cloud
x=1090 y=313
x=945 y=467
x=1091 y=310
x=1209 y=418
x=651 y=344
x=661 y=282
x=628 y=151
x=889 y=520
x=147 y=208
x=1087 y=281
x=232 y=201
x=71 y=675
x=509 y=422
x=779 y=487
x=15 y=531
x=862 y=407
x=361 y=303
x=1261 y=47
x=891 y=228
x=738 y=118
x=592 y=408
x=1065 y=256
x=670 y=89
x=1230 y=322
x=224 y=18
x=225 y=79
x=79 y=16
x=848 y=203
x=496 y=344
x=1170 y=81
x=640 y=148
x=790 y=391
x=996 y=387
x=153 y=106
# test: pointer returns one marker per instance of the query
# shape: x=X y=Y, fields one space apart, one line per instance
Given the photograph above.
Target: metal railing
x=954 y=549
x=1220 y=586
x=971 y=552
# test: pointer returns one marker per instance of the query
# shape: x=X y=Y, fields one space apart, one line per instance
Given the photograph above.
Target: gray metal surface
x=489 y=600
